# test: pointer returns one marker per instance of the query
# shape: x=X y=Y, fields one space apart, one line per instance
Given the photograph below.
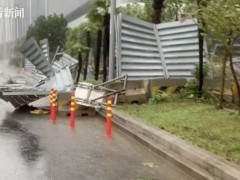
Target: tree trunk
x=79 y=66
x=200 y=45
x=98 y=53
x=157 y=11
x=106 y=45
x=88 y=40
x=224 y=61
x=235 y=80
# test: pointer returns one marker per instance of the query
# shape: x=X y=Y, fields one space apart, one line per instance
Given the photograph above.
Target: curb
x=196 y=162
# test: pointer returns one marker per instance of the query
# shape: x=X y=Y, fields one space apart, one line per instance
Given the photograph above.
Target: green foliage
x=159 y=97
x=172 y=9
x=191 y=87
x=76 y=39
x=206 y=70
x=190 y=90
x=136 y=10
x=203 y=125
x=149 y=9
x=97 y=13
x=175 y=8
x=54 y=27
x=221 y=19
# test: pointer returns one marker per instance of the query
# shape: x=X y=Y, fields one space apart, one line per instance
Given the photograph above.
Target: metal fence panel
x=65 y=60
x=34 y=54
x=147 y=51
x=180 y=47
x=45 y=48
x=137 y=49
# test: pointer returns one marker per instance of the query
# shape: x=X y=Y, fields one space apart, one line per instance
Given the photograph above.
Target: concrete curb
x=196 y=162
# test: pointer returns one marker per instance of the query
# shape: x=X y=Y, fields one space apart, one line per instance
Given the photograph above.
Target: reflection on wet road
x=18 y=149
x=34 y=149
x=29 y=145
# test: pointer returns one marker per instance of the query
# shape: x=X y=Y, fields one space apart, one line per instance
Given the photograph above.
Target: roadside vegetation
x=54 y=28
x=198 y=122
x=192 y=114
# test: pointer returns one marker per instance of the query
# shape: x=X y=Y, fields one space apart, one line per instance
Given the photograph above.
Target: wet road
x=34 y=149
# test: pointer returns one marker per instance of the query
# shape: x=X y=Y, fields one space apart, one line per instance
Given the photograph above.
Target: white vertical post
x=30 y=11
x=46 y=8
x=111 y=67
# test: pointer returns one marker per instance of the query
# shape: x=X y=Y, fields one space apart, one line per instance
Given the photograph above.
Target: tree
x=171 y=9
x=76 y=39
x=222 y=21
x=99 y=17
x=137 y=10
x=97 y=12
x=54 y=28
x=157 y=11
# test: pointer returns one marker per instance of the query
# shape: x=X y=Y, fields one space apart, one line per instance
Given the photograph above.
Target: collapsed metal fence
x=57 y=75
x=146 y=51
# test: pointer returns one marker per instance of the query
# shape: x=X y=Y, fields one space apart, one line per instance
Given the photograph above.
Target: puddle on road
x=8 y=125
x=29 y=143
x=30 y=149
x=20 y=153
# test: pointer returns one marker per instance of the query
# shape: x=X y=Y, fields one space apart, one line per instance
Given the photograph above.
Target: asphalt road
x=32 y=148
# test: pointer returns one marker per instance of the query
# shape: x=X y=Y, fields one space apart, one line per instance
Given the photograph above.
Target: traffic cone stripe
x=109 y=117
x=72 y=112
x=53 y=99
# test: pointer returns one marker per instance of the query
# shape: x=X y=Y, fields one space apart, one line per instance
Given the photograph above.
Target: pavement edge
x=196 y=162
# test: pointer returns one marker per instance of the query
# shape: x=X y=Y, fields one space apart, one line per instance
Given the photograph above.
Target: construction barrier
x=109 y=117
x=135 y=92
x=169 y=86
x=72 y=112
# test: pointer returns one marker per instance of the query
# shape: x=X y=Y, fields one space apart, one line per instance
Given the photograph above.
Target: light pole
x=46 y=8
x=111 y=66
x=30 y=11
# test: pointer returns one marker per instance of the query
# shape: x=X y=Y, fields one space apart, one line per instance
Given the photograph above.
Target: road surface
x=32 y=148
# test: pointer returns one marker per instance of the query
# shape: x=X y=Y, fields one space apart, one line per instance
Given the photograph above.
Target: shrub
x=159 y=97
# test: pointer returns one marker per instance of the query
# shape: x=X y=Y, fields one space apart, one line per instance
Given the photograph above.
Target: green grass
x=201 y=124
x=90 y=80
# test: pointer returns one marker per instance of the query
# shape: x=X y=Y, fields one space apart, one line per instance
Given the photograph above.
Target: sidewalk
x=196 y=162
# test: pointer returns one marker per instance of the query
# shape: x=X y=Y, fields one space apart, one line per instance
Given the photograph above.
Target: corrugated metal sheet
x=34 y=54
x=29 y=67
x=146 y=51
x=179 y=42
x=21 y=98
x=65 y=60
x=137 y=49
x=45 y=48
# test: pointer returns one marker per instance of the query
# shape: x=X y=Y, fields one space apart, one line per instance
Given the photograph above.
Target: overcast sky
x=63 y=6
